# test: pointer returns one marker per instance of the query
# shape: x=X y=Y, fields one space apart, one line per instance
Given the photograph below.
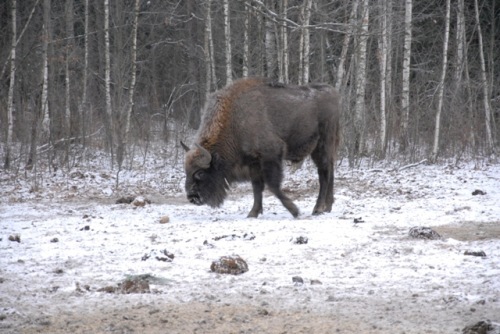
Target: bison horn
x=205 y=158
x=184 y=146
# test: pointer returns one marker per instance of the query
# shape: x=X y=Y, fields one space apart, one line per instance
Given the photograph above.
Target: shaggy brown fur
x=249 y=127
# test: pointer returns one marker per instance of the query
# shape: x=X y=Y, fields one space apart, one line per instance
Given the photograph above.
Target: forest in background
x=418 y=79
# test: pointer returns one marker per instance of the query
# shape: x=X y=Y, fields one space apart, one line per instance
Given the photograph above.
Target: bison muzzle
x=250 y=127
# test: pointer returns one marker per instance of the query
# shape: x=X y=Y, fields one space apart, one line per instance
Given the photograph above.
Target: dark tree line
x=418 y=79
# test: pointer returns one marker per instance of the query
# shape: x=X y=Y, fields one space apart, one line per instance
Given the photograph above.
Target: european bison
x=249 y=127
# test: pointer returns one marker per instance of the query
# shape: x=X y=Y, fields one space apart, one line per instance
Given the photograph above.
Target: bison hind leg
x=325 y=164
x=273 y=175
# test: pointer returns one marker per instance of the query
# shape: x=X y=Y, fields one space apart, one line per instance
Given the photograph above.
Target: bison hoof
x=253 y=215
x=295 y=212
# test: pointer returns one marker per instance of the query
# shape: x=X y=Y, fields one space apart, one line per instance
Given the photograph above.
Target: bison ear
x=184 y=146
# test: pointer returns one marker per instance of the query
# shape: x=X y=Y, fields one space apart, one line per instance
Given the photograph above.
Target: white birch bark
x=134 y=70
x=227 y=35
x=437 y=129
x=345 y=45
x=45 y=116
x=211 y=47
x=460 y=39
x=359 y=108
x=284 y=42
x=405 y=92
x=383 y=74
x=486 y=102
x=307 y=44
x=301 y=46
x=10 y=98
x=206 y=51
x=388 y=78
x=107 y=77
x=246 y=40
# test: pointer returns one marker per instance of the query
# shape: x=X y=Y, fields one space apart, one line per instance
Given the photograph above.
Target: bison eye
x=200 y=175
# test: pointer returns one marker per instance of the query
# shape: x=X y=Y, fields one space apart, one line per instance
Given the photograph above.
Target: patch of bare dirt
x=470 y=231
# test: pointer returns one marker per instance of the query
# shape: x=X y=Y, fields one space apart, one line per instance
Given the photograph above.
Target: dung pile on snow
x=422 y=232
x=481 y=327
x=233 y=265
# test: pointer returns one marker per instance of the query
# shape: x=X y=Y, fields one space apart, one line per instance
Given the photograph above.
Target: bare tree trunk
x=45 y=116
x=307 y=44
x=107 y=81
x=82 y=107
x=41 y=116
x=405 y=93
x=227 y=34
x=359 y=108
x=284 y=41
x=211 y=46
x=246 y=40
x=486 y=90
x=389 y=72
x=437 y=129
x=383 y=76
x=304 y=47
x=206 y=49
x=460 y=39
x=10 y=99
x=492 y=65
x=7 y=61
x=124 y=142
x=270 y=43
x=345 y=45
x=70 y=34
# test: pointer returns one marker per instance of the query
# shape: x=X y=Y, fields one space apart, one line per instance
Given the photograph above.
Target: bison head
x=205 y=177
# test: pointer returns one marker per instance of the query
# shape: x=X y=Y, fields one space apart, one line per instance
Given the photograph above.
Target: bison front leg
x=258 y=188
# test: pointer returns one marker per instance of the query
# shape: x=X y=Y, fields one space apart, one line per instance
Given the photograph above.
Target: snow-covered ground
x=364 y=277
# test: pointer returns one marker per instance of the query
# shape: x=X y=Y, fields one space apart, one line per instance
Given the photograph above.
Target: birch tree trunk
x=41 y=116
x=206 y=49
x=486 y=90
x=388 y=77
x=284 y=41
x=383 y=75
x=45 y=116
x=304 y=47
x=124 y=142
x=246 y=40
x=460 y=40
x=359 y=108
x=437 y=129
x=405 y=93
x=10 y=98
x=307 y=44
x=211 y=46
x=227 y=35
x=107 y=81
x=345 y=45
x=270 y=43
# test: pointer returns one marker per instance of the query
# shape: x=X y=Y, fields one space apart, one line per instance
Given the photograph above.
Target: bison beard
x=249 y=128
